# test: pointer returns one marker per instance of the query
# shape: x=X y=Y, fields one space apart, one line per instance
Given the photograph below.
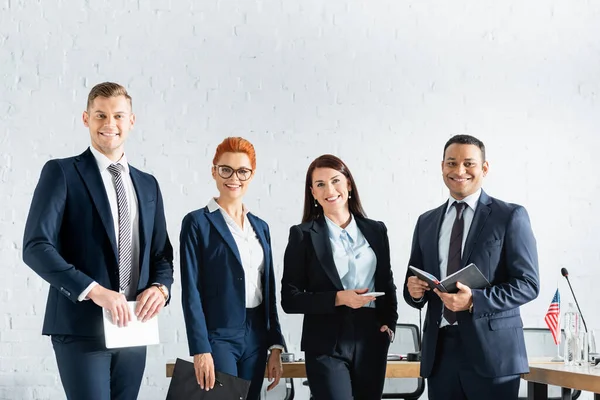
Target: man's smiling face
x=109 y=120
x=463 y=169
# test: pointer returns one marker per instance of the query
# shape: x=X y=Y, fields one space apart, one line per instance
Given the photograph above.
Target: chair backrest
x=407 y=340
x=539 y=343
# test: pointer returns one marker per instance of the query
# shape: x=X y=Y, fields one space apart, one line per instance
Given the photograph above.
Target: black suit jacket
x=70 y=241
x=310 y=282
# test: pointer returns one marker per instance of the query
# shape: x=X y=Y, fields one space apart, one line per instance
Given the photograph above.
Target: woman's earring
x=315 y=202
x=349 y=195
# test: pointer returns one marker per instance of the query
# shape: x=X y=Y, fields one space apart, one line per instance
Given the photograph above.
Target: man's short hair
x=107 y=89
x=465 y=139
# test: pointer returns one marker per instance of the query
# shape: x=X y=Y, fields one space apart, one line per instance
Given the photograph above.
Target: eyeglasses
x=226 y=172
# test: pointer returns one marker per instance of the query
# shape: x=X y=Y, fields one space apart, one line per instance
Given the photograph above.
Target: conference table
x=542 y=373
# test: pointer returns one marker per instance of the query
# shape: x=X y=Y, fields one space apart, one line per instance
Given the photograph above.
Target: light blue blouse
x=354 y=258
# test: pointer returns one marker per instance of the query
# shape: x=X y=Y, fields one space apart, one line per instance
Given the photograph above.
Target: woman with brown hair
x=227 y=279
x=337 y=273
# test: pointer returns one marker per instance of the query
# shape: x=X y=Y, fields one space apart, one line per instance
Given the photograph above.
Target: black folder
x=470 y=276
x=184 y=385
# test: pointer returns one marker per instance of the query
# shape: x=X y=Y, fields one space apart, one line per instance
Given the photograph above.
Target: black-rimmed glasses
x=226 y=172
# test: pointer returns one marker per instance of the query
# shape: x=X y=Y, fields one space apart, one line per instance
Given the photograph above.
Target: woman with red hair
x=227 y=279
x=336 y=265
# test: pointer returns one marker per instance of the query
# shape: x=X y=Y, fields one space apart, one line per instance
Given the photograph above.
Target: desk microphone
x=565 y=273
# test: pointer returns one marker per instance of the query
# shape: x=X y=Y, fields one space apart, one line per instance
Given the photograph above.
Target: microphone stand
x=576 y=303
x=591 y=342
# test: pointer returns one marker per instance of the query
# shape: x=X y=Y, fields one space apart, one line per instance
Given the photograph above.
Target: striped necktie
x=124 y=227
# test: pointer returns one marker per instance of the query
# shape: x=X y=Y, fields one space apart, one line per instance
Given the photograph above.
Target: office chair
x=407 y=340
x=539 y=343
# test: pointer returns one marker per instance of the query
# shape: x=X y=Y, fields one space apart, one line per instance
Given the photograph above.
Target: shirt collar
x=214 y=206
x=104 y=162
x=335 y=231
x=471 y=200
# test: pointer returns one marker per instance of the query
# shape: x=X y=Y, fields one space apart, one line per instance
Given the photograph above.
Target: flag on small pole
x=552 y=317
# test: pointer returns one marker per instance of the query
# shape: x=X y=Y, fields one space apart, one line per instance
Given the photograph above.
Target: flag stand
x=558 y=357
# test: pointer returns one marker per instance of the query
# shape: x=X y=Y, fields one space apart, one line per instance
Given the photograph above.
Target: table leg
x=565 y=394
x=537 y=391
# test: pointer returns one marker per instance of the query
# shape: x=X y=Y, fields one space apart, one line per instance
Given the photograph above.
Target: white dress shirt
x=107 y=179
x=446 y=231
x=251 y=254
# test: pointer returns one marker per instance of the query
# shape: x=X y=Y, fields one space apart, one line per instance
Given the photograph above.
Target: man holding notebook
x=96 y=232
x=473 y=346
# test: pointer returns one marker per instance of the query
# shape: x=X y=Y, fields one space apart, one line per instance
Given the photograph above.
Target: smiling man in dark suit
x=473 y=345
x=96 y=232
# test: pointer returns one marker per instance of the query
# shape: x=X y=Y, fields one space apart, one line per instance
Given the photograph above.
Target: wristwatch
x=471 y=308
x=163 y=289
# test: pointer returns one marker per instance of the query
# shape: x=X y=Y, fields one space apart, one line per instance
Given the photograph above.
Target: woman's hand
x=352 y=298
x=274 y=368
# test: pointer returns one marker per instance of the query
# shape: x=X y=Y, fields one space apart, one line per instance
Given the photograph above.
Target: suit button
x=239 y=279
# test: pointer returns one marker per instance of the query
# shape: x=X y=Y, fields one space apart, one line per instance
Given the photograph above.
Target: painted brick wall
x=381 y=83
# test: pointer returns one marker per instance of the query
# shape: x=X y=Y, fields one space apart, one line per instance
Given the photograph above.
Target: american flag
x=552 y=315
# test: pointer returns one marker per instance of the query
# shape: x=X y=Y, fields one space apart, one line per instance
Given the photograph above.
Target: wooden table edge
x=395 y=369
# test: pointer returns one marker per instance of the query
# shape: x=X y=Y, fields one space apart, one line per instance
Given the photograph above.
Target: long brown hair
x=311 y=212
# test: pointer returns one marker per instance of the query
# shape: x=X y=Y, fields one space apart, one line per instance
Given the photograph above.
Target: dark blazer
x=310 y=282
x=501 y=243
x=212 y=280
x=70 y=241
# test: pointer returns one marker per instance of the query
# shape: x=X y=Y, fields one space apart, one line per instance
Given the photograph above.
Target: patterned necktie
x=349 y=280
x=455 y=251
x=124 y=227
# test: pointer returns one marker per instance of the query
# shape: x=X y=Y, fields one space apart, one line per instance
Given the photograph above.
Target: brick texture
x=381 y=83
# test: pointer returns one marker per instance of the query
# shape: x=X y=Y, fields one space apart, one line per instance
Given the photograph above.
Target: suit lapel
x=144 y=216
x=320 y=240
x=88 y=170
x=481 y=214
x=220 y=225
x=372 y=236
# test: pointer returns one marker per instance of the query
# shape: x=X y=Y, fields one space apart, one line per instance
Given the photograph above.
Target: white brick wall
x=380 y=83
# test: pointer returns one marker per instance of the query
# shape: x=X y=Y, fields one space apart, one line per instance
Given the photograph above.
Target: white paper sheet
x=136 y=333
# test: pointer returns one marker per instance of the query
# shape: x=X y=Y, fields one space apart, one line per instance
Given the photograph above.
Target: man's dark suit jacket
x=70 y=241
x=501 y=243
x=310 y=282
x=212 y=280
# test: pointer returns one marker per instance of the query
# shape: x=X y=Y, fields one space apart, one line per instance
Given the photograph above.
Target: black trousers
x=88 y=370
x=453 y=377
x=356 y=368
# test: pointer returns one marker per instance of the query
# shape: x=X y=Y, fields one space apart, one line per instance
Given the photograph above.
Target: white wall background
x=381 y=83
